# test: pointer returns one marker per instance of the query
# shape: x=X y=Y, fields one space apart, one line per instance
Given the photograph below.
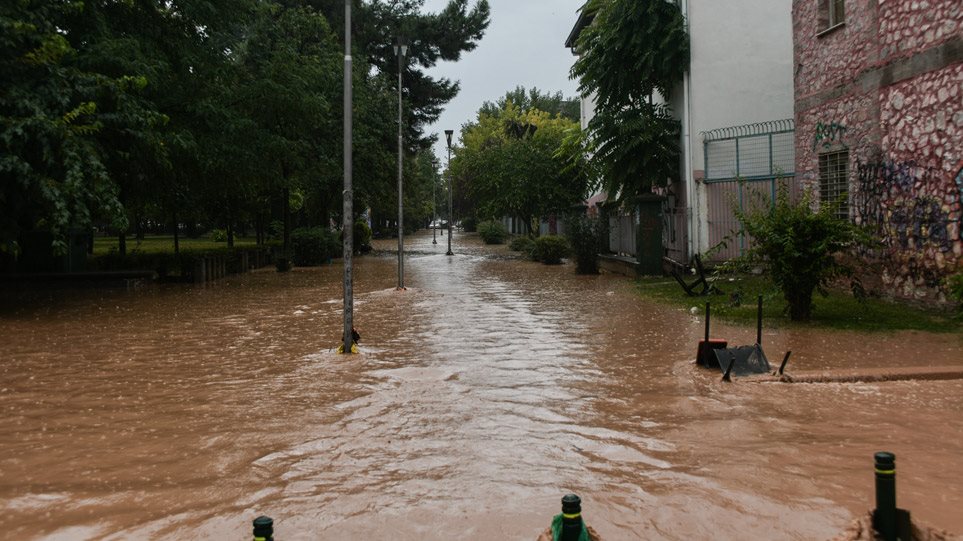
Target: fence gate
x=744 y=166
x=623 y=231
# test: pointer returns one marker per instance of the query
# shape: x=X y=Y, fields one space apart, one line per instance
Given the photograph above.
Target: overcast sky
x=524 y=45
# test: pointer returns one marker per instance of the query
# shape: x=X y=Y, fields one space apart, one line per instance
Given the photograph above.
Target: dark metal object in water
x=705 y=355
x=747 y=360
x=691 y=289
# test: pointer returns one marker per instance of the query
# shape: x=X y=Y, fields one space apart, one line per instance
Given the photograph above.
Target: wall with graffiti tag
x=898 y=116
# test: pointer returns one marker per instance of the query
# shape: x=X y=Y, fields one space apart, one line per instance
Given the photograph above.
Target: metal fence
x=744 y=166
x=623 y=231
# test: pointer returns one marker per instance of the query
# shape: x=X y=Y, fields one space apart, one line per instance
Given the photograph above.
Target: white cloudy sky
x=524 y=45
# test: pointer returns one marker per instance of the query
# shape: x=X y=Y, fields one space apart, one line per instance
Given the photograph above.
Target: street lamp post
x=451 y=216
x=434 y=223
x=401 y=49
x=347 y=225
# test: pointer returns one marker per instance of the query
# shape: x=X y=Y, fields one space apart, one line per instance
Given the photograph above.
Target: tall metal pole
x=451 y=215
x=434 y=211
x=400 y=50
x=348 y=223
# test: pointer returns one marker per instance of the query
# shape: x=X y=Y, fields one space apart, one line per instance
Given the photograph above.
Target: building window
x=834 y=182
x=832 y=13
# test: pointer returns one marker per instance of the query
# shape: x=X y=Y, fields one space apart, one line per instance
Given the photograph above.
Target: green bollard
x=884 y=517
x=263 y=529
x=571 y=518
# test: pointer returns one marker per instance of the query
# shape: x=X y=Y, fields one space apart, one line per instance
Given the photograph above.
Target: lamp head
x=401 y=46
x=448 y=134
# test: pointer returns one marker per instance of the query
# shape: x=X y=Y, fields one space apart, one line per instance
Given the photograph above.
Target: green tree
x=553 y=104
x=53 y=172
x=442 y=36
x=510 y=165
x=632 y=51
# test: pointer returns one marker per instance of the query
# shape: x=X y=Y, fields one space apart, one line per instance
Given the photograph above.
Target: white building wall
x=588 y=109
x=741 y=72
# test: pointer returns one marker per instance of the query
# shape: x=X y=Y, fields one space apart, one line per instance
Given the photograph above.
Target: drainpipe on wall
x=692 y=217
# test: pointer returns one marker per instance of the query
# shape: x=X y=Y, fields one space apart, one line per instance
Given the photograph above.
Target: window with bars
x=834 y=182
x=832 y=13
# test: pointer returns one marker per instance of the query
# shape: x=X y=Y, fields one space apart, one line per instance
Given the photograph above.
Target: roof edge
x=583 y=21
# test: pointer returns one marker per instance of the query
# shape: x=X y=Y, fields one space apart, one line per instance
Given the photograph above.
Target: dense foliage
x=584 y=234
x=509 y=165
x=535 y=99
x=492 y=232
x=523 y=244
x=313 y=246
x=631 y=57
x=156 y=116
x=955 y=287
x=798 y=246
x=550 y=249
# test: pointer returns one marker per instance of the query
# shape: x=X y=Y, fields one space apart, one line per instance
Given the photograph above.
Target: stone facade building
x=879 y=129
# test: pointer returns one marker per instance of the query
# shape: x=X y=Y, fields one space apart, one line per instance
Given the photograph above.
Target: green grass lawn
x=165 y=244
x=840 y=310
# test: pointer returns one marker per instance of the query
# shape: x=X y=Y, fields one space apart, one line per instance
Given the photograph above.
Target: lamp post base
x=449 y=253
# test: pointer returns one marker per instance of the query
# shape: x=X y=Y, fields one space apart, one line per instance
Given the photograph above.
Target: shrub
x=218 y=235
x=492 y=232
x=584 y=234
x=470 y=225
x=362 y=237
x=276 y=229
x=550 y=249
x=798 y=246
x=313 y=246
x=282 y=264
x=954 y=286
x=522 y=244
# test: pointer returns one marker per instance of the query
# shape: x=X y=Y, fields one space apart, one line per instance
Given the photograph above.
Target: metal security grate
x=834 y=182
x=744 y=164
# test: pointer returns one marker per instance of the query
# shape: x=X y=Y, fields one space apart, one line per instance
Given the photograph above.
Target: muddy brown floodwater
x=486 y=391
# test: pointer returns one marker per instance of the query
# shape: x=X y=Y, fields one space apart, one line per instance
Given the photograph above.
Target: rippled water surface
x=486 y=391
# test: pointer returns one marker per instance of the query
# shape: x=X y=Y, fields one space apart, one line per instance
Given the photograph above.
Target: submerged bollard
x=884 y=517
x=572 y=525
x=263 y=529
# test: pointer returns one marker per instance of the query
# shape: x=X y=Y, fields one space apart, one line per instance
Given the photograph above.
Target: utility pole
x=348 y=222
x=451 y=215
x=401 y=49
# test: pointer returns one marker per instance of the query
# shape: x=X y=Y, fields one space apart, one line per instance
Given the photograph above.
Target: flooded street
x=485 y=392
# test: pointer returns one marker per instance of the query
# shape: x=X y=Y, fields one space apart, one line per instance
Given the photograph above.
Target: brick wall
x=888 y=87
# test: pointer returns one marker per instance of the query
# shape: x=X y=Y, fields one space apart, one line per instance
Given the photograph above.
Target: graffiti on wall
x=828 y=133
x=919 y=220
x=888 y=197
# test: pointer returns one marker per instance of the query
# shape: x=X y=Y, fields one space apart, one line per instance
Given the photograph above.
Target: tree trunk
x=230 y=227
x=177 y=235
x=800 y=305
x=122 y=243
x=138 y=227
x=286 y=205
